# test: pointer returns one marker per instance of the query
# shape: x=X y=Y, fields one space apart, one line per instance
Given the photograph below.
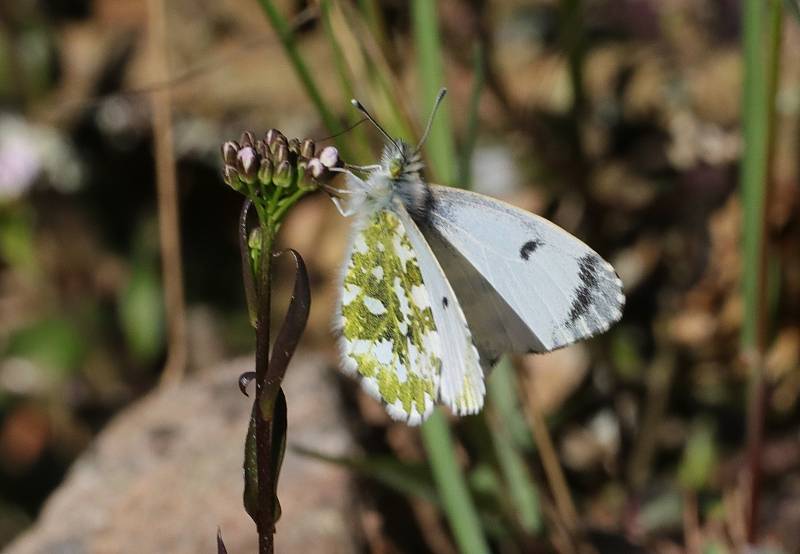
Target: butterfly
x=439 y=282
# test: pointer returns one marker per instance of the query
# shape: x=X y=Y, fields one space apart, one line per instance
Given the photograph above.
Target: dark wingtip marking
x=445 y=302
x=529 y=248
x=583 y=294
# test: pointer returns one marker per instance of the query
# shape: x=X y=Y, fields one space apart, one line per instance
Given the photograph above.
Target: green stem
x=286 y=36
x=452 y=487
x=429 y=59
x=760 y=85
x=266 y=480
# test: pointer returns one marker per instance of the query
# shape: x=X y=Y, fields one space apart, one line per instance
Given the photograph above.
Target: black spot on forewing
x=529 y=248
x=587 y=273
x=445 y=302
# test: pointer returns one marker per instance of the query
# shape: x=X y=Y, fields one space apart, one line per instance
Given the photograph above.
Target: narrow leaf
x=250 y=493
x=279 y=424
x=247 y=268
x=408 y=479
x=291 y=330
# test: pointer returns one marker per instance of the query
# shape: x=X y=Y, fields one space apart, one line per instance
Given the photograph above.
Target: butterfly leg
x=365 y=168
x=354 y=194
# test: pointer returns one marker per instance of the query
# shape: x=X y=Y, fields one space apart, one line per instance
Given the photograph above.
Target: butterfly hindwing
x=461 y=383
x=387 y=330
x=534 y=287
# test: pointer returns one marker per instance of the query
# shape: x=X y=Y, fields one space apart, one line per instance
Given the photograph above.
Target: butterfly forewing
x=461 y=384
x=388 y=334
x=524 y=267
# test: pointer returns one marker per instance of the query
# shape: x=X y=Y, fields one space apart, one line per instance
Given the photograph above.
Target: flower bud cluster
x=260 y=168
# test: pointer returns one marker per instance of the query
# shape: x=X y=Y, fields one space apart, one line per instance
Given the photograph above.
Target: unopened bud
x=254 y=244
x=277 y=141
x=280 y=154
x=231 y=177
x=229 y=151
x=315 y=167
x=271 y=135
x=283 y=174
x=262 y=148
x=305 y=180
x=247 y=139
x=247 y=164
x=329 y=156
x=265 y=171
x=294 y=146
x=307 y=148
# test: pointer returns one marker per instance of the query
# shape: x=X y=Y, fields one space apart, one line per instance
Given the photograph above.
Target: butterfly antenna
x=439 y=98
x=360 y=107
x=346 y=130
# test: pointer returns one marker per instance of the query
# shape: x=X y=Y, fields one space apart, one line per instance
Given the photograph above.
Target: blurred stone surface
x=167 y=472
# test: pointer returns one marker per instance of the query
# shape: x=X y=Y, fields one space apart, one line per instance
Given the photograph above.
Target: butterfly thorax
x=399 y=177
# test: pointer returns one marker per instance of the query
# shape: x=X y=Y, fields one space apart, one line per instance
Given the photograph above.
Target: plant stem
x=266 y=481
x=168 y=212
x=458 y=505
x=286 y=36
x=758 y=121
x=565 y=507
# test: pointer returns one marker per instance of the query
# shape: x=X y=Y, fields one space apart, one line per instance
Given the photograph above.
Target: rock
x=167 y=472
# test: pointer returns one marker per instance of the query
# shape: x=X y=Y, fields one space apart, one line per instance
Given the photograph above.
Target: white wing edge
x=461 y=383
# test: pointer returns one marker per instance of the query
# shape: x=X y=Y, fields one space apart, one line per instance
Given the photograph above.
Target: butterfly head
x=401 y=161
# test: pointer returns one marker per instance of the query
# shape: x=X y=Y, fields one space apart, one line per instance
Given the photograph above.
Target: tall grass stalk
x=441 y=146
x=286 y=36
x=452 y=487
x=758 y=111
x=459 y=507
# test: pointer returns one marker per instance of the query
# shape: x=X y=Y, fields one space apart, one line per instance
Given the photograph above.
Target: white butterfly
x=439 y=282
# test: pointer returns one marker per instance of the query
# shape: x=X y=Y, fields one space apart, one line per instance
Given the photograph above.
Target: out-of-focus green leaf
x=141 y=312
x=699 y=457
x=16 y=239
x=458 y=504
x=519 y=487
x=55 y=344
x=409 y=479
x=661 y=513
x=794 y=8
x=440 y=147
x=505 y=398
x=627 y=361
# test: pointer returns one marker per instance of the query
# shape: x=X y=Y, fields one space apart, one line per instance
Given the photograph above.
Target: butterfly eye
x=395 y=167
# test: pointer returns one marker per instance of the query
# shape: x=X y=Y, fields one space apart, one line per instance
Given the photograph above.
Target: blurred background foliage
x=665 y=134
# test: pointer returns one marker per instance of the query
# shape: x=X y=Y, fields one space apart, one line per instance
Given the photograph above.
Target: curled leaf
x=220 y=543
x=244 y=380
x=290 y=332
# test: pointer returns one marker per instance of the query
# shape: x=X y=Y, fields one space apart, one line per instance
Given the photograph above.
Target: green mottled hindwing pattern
x=388 y=333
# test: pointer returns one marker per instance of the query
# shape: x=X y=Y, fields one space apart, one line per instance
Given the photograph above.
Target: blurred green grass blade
x=511 y=438
x=141 y=312
x=452 y=487
x=471 y=135
x=522 y=491
x=356 y=136
x=459 y=507
x=504 y=397
x=374 y=18
x=699 y=457
x=408 y=479
x=754 y=163
x=794 y=8
x=286 y=36
x=440 y=147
